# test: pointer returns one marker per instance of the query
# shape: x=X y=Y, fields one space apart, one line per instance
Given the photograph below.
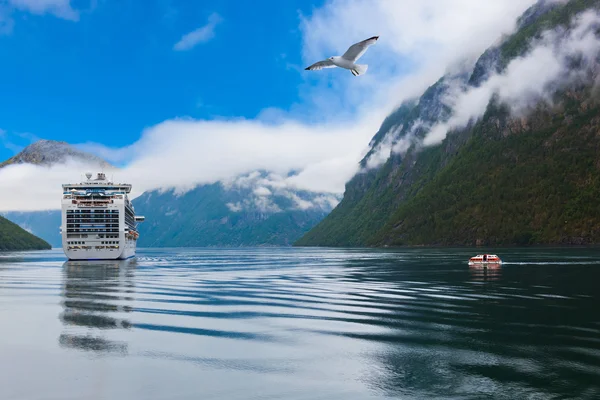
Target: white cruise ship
x=98 y=220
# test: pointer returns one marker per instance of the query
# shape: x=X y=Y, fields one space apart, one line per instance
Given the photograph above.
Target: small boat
x=485 y=259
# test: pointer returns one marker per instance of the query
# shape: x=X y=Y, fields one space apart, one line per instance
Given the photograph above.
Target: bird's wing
x=320 y=65
x=357 y=50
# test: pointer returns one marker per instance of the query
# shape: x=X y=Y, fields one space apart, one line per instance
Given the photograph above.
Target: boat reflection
x=95 y=298
x=486 y=272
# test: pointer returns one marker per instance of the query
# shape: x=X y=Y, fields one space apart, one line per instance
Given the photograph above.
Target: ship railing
x=94 y=203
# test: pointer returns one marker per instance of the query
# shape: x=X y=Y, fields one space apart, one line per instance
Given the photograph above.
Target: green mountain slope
x=371 y=196
x=43 y=224
x=501 y=181
x=215 y=215
x=535 y=181
x=13 y=238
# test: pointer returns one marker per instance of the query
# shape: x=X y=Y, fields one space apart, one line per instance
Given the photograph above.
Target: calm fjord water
x=300 y=324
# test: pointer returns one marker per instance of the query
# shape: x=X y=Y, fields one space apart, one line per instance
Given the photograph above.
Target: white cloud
x=262 y=191
x=269 y=190
x=115 y=155
x=531 y=78
x=59 y=8
x=27 y=187
x=235 y=207
x=200 y=35
x=186 y=153
x=381 y=153
x=420 y=31
x=419 y=41
x=260 y=204
x=316 y=144
x=326 y=201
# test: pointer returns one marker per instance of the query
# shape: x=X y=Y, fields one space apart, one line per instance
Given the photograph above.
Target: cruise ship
x=98 y=220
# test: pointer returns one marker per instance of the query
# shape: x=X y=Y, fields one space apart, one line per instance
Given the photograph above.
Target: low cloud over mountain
x=316 y=144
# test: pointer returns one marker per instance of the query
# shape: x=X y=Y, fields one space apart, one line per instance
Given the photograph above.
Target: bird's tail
x=359 y=69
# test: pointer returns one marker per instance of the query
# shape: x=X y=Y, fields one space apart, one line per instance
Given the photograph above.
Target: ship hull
x=128 y=250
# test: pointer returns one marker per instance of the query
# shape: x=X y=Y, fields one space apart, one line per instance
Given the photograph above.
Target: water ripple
x=288 y=323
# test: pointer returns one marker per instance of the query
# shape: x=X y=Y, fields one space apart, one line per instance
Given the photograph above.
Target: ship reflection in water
x=295 y=323
x=96 y=298
x=489 y=272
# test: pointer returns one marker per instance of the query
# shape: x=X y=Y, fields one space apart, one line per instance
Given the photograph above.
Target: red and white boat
x=485 y=259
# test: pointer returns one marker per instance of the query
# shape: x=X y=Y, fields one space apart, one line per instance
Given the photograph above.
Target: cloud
x=200 y=35
x=262 y=191
x=412 y=28
x=235 y=207
x=419 y=41
x=381 y=153
x=185 y=153
x=316 y=144
x=115 y=155
x=58 y=8
x=559 y=58
x=195 y=152
x=273 y=193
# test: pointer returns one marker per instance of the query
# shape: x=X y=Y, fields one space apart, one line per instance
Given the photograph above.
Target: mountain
x=14 y=238
x=51 y=152
x=209 y=215
x=244 y=212
x=43 y=224
x=46 y=224
x=251 y=210
x=507 y=178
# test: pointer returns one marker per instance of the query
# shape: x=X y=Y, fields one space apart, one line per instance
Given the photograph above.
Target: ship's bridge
x=97 y=185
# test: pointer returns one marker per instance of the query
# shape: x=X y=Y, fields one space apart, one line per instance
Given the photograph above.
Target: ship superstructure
x=98 y=220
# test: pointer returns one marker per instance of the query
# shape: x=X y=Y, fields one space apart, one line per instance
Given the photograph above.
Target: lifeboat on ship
x=134 y=235
x=485 y=259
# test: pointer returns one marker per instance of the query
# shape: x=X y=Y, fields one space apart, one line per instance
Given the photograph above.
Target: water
x=300 y=324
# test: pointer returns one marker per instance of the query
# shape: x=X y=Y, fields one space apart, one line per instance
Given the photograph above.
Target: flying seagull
x=347 y=61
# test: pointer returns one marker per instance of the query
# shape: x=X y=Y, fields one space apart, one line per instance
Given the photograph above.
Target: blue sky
x=114 y=77
x=114 y=71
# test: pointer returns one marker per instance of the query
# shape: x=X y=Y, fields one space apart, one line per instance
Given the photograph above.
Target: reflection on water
x=491 y=272
x=303 y=324
x=95 y=298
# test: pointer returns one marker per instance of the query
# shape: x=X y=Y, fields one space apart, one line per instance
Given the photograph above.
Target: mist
x=531 y=79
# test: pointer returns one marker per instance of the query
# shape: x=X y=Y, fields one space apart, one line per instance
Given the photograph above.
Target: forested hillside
x=531 y=177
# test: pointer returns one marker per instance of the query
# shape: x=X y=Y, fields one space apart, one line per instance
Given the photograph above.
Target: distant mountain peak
x=51 y=152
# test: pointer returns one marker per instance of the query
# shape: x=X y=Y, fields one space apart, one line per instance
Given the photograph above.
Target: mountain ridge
x=393 y=204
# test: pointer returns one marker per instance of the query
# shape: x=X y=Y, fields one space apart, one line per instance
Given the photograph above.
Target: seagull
x=347 y=61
